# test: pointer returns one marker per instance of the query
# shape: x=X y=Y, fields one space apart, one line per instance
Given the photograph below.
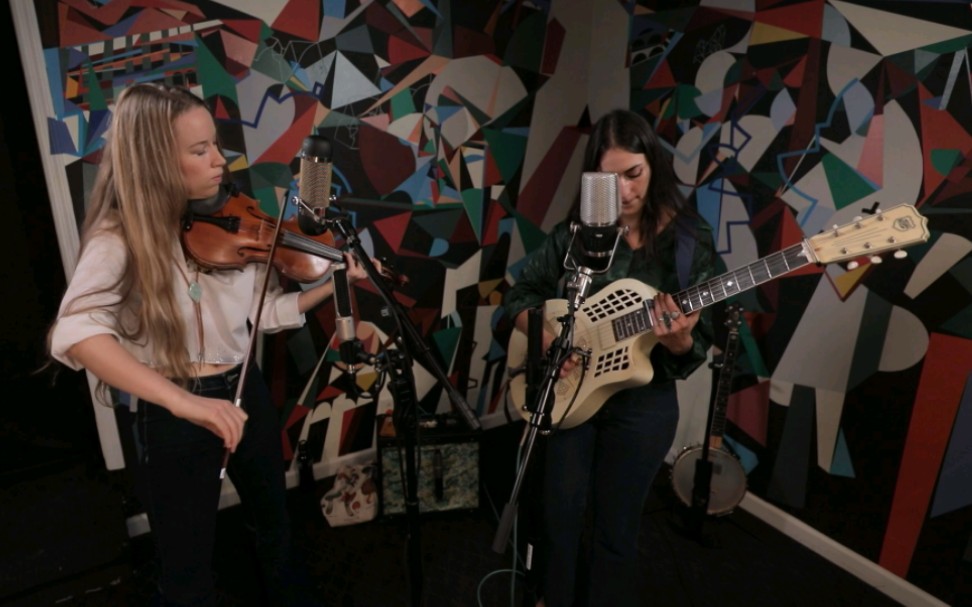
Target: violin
x=240 y=233
x=231 y=234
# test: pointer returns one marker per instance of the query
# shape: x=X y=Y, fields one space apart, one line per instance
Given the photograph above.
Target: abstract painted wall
x=786 y=118
x=454 y=125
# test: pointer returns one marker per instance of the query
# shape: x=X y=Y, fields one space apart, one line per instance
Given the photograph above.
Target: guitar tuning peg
x=900 y=254
x=876 y=259
x=852 y=265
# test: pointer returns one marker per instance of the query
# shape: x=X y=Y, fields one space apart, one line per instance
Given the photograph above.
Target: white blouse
x=225 y=296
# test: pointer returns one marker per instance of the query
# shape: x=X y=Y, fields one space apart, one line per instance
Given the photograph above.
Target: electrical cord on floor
x=515 y=571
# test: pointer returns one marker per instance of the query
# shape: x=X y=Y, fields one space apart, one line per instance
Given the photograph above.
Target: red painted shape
x=540 y=189
x=301 y=18
x=748 y=409
x=805 y=18
x=940 y=389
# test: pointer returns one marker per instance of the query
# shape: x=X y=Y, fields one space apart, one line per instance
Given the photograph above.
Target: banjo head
x=728 y=484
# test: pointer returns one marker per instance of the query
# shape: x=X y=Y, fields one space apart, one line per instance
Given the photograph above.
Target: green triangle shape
x=446 y=342
x=507 y=151
x=531 y=235
x=95 y=98
x=846 y=185
x=215 y=79
x=945 y=160
x=472 y=201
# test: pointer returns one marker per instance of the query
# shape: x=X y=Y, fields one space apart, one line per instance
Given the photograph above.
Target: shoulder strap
x=684 y=250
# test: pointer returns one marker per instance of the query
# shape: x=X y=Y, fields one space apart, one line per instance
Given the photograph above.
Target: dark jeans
x=177 y=481
x=613 y=458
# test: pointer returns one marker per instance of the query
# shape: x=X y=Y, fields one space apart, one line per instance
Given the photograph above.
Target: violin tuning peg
x=852 y=265
x=876 y=259
x=900 y=254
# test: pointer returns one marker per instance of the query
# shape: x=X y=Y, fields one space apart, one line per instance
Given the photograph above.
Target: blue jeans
x=177 y=481
x=613 y=458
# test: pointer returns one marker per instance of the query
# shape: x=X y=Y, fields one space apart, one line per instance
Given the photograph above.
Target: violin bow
x=248 y=355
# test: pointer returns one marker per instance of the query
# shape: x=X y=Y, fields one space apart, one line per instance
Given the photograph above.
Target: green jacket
x=543 y=276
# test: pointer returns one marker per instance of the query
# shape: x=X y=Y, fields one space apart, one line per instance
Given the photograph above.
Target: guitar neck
x=742 y=279
x=717 y=289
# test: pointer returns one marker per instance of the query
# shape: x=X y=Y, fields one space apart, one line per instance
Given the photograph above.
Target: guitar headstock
x=893 y=229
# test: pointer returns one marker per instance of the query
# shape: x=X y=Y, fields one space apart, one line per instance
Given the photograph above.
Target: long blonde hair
x=140 y=195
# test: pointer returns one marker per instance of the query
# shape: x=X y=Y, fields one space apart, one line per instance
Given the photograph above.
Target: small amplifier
x=447 y=466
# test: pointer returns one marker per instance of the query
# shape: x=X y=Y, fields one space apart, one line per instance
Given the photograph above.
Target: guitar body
x=727 y=486
x=615 y=324
x=615 y=363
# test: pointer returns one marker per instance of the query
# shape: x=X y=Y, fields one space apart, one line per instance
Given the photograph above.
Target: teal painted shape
x=438 y=223
x=55 y=79
x=788 y=481
x=842 y=463
x=751 y=353
x=402 y=104
x=356 y=40
x=446 y=342
x=953 y=490
x=945 y=160
x=847 y=185
x=440 y=246
x=496 y=352
x=216 y=81
x=747 y=458
x=709 y=202
x=472 y=201
x=960 y=324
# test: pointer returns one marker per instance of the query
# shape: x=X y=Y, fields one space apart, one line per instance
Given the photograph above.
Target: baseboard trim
x=865 y=569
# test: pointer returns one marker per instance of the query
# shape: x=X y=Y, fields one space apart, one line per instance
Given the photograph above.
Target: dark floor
x=742 y=562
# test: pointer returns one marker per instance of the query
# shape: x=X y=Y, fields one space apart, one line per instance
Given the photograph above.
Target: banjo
x=727 y=485
x=613 y=328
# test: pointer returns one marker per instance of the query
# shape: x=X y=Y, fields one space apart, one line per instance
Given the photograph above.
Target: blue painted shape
x=842 y=464
x=439 y=247
x=747 y=458
x=954 y=490
x=59 y=138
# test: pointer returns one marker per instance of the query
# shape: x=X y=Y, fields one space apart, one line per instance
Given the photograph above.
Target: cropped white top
x=224 y=296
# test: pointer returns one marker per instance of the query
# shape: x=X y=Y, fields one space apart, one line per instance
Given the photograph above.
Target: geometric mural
x=785 y=118
x=455 y=127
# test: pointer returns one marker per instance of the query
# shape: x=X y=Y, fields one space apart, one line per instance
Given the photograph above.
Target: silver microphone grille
x=315 y=172
x=600 y=201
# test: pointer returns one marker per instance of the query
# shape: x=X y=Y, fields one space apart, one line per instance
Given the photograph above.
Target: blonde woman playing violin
x=146 y=321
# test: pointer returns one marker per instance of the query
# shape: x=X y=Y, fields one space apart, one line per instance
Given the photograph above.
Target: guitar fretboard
x=717 y=289
x=742 y=279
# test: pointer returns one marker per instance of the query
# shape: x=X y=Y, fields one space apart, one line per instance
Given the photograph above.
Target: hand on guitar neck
x=672 y=327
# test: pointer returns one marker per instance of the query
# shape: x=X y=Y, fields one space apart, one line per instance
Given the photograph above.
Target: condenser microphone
x=315 y=184
x=600 y=205
x=597 y=236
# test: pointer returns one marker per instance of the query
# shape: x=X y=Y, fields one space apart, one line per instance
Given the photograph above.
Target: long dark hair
x=627 y=130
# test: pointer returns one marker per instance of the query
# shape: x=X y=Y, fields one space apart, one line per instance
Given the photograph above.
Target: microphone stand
x=577 y=289
x=402 y=385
